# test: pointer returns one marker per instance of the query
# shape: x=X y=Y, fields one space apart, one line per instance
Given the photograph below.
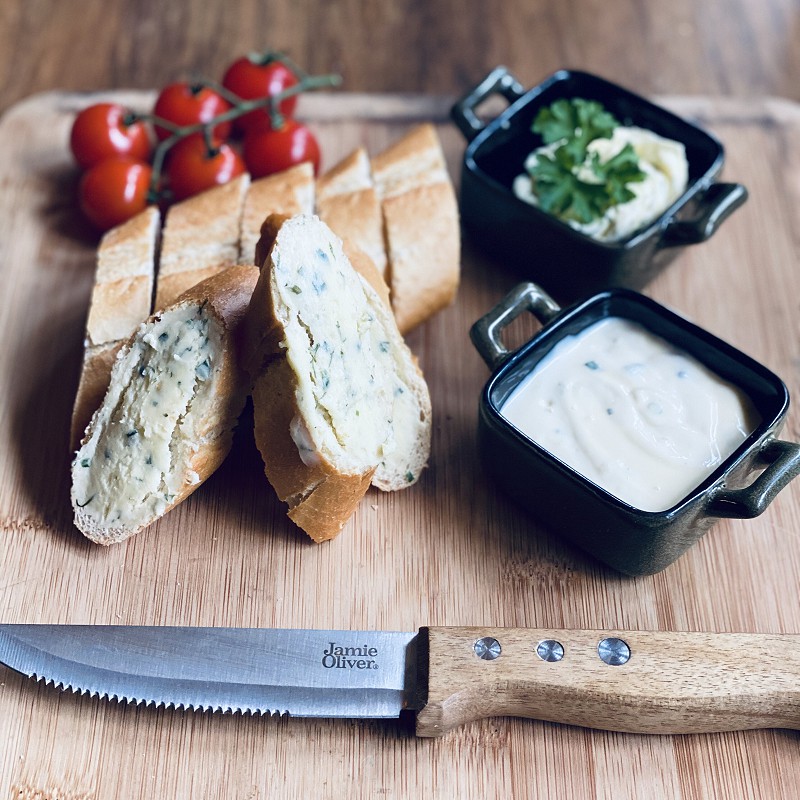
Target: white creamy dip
x=627 y=410
x=666 y=176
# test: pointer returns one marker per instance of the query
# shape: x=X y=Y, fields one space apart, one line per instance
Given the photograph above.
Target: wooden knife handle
x=671 y=683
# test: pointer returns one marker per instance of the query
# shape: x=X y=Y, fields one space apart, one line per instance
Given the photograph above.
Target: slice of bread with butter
x=338 y=399
x=167 y=419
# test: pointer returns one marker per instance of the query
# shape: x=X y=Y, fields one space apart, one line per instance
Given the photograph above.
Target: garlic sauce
x=630 y=412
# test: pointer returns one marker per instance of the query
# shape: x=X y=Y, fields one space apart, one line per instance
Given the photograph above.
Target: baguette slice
x=287 y=193
x=348 y=203
x=420 y=216
x=201 y=238
x=121 y=298
x=167 y=419
x=338 y=400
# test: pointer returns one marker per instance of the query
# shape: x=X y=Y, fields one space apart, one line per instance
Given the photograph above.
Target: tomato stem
x=239 y=108
x=129 y=117
x=269 y=56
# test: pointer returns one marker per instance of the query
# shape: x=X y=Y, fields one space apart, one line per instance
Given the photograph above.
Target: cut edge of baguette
x=161 y=441
x=313 y=397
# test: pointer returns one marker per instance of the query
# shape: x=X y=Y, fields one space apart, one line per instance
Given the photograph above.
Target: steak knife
x=640 y=682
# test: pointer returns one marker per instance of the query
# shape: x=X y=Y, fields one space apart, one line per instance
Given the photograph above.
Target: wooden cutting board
x=450 y=551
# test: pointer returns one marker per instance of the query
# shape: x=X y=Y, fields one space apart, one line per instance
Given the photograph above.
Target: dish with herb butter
x=602 y=178
x=630 y=412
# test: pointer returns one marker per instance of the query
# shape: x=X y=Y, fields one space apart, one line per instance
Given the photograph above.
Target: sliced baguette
x=200 y=239
x=348 y=203
x=166 y=422
x=121 y=299
x=339 y=402
x=287 y=193
x=420 y=217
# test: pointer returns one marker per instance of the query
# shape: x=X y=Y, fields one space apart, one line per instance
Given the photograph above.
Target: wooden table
x=741 y=48
x=450 y=551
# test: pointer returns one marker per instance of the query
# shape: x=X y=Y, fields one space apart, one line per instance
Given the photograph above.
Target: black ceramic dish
x=632 y=541
x=537 y=245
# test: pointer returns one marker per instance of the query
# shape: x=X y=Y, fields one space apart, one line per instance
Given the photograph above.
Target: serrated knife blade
x=636 y=681
x=304 y=673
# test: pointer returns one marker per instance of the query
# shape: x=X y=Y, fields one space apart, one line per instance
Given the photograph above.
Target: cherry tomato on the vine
x=187 y=104
x=114 y=190
x=105 y=130
x=267 y=151
x=193 y=168
x=251 y=80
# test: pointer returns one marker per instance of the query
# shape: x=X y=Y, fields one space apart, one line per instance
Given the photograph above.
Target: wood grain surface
x=716 y=47
x=450 y=551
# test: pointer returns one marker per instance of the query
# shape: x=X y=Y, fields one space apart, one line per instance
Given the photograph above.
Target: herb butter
x=358 y=405
x=602 y=178
x=131 y=468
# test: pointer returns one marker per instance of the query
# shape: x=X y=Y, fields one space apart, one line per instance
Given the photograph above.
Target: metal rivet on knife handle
x=550 y=650
x=487 y=648
x=613 y=651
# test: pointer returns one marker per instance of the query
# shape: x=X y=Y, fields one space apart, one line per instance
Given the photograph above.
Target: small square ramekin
x=538 y=246
x=630 y=540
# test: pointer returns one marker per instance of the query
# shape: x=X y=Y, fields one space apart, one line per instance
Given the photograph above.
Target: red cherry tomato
x=192 y=168
x=105 y=130
x=114 y=190
x=267 y=151
x=185 y=104
x=250 y=80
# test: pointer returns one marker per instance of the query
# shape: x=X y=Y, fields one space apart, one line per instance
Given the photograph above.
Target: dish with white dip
x=630 y=412
x=625 y=428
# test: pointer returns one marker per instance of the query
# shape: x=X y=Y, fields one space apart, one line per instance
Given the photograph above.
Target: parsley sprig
x=573 y=183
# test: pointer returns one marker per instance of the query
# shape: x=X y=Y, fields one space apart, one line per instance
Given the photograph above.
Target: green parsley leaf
x=573 y=124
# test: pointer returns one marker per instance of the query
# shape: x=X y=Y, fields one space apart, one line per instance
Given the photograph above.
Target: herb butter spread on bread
x=339 y=402
x=167 y=419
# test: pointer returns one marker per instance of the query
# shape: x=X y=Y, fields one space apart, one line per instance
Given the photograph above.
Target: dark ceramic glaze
x=539 y=246
x=628 y=539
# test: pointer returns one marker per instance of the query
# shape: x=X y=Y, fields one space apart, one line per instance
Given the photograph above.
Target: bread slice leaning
x=167 y=419
x=338 y=400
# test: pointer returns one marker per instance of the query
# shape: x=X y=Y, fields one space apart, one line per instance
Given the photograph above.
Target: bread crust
x=200 y=238
x=321 y=499
x=348 y=203
x=288 y=193
x=123 y=284
x=367 y=269
x=225 y=297
x=95 y=374
x=425 y=257
x=421 y=227
x=121 y=300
